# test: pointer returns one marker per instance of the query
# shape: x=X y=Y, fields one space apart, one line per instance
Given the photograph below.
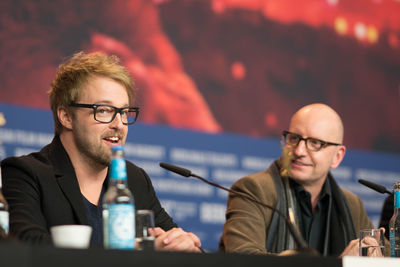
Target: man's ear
x=341 y=151
x=64 y=117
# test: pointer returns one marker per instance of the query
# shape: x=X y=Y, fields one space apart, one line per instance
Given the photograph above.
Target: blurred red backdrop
x=221 y=65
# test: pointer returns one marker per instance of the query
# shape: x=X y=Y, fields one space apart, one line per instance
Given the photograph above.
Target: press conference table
x=14 y=254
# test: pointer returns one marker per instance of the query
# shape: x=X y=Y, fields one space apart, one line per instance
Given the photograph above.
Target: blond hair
x=73 y=74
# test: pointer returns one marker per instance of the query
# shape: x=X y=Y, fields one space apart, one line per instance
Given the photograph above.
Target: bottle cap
x=116 y=148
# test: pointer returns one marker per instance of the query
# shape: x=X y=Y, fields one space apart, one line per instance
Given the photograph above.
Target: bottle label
x=397 y=199
x=118 y=169
x=121 y=226
x=392 y=244
x=4 y=221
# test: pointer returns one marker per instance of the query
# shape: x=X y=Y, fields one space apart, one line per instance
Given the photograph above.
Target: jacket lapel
x=66 y=179
x=70 y=187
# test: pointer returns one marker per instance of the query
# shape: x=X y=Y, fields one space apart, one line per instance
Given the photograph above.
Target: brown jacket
x=247 y=223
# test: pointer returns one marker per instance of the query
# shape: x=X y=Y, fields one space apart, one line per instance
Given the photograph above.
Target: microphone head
x=176 y=169
x=378 y=188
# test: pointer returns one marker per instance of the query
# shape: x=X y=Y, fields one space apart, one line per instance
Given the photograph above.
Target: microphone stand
x=300 y=242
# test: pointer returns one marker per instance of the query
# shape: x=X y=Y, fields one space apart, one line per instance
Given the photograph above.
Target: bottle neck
x=397 y=199
x=118 y=174
x=118 y=182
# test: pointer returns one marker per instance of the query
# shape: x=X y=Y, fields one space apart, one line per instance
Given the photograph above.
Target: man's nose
x=301 y=148
x=117 y=121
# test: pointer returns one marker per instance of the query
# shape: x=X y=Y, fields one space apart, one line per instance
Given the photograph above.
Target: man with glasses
x=91 y=99
x=300 y=185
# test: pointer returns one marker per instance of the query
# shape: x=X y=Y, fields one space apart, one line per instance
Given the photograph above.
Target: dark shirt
x=95 y=219
x=313 y=225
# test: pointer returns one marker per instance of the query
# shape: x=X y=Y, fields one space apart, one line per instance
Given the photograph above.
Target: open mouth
x=112 y=139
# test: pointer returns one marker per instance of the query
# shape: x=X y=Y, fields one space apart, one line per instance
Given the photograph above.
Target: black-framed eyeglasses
x=312 y=144
x=106 y=113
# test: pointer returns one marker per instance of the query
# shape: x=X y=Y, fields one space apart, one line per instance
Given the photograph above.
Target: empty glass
x=144 y=230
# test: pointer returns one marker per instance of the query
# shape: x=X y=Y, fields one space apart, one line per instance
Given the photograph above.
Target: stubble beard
x=96 y=153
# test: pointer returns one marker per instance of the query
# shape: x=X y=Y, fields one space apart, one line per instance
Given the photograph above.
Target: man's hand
x=289 y=252
x=176 y=240
x=353 y=248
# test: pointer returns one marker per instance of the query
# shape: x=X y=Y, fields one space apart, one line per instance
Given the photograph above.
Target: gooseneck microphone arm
x=301 y=244
x=378 y=188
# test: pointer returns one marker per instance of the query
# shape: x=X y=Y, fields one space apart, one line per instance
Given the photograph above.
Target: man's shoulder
x=351 y=197
x=261 y=178
x=33 y=160
x=136 y=173
x=131 y=167
x=257 y=184
x=36 y=166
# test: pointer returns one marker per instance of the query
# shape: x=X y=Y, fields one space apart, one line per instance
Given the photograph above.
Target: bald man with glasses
x=300 y=183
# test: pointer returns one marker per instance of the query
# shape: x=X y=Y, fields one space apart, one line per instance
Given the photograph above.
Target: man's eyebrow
x=108 y=102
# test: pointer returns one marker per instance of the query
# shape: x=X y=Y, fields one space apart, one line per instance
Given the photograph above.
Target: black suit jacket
x=42 y=191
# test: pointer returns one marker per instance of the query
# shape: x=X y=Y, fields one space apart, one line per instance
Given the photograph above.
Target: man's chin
x=105 y=162
x=105 y=157
x=299 y=177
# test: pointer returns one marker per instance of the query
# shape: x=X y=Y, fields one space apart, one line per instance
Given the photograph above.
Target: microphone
x=298 y=239
x=378 y=188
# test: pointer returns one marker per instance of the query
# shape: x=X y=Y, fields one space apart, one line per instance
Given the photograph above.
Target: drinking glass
x=371 y=243
x=144 y=230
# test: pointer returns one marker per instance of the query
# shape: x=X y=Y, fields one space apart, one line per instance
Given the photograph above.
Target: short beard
x=93 y=154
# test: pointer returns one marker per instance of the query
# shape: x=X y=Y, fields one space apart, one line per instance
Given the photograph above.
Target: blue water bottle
x=118 y=206
x=394 y=224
